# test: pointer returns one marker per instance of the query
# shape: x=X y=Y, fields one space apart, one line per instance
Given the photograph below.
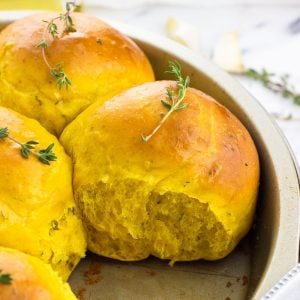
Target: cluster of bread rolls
x=187 y=193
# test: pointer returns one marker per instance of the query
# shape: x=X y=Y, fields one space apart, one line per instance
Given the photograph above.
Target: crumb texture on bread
x=99 y=60
x=169 y=226
x=188 y=193
x=38 y=215
x=31 y=278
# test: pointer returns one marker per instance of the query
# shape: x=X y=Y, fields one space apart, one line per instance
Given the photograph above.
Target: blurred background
x=237 y=35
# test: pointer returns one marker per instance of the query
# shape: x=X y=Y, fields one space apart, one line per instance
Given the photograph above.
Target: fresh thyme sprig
x=69 y=25
x=174 y=98
x=5 y=278
x=280 y=86
x=57 y=70
x=45 y=155
x=59 y=74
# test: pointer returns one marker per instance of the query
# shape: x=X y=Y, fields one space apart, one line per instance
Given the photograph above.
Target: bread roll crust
x=188 y=193
x=30 y=278
x=100 y=61
x=37 y=210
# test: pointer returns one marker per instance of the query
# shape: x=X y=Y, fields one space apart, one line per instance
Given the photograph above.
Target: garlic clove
x=183 y=33
x=227 y=53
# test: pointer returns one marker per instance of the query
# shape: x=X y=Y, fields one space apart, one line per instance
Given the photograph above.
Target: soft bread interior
x=128 y=220
x=187 y=193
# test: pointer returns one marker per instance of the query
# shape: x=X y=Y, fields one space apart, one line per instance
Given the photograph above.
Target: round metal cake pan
x=275 y=238
x=263 y=257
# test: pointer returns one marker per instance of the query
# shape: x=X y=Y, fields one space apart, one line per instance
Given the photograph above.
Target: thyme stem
x=45 y=59
x=279 y=86
x=173 y=103
x=57 y=70
x=14 y=140
x=163 y=120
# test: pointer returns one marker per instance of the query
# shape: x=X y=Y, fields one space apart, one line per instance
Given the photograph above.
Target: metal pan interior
x=264 y=256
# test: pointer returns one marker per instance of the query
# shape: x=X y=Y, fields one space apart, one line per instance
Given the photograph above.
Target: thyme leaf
x=3 y=132
x=59 y=74
x=42 y=44
x=27 y=147
x=5 y=278
x=69 y=25
x=46 y=155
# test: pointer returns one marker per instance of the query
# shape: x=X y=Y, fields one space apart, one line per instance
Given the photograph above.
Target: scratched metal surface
x=100 y=278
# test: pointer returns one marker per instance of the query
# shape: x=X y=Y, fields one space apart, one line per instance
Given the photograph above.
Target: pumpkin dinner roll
x=187 y=193
x=99 y=61
x=27 y=277
x=37 y=210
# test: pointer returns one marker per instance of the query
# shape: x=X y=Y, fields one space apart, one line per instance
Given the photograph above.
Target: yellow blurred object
x=55 y=5
x=188 y=193
x=37 y=209
x=100 y=62
x=30 y=278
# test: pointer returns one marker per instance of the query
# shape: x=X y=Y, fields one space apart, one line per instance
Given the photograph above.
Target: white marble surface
x=269 y=38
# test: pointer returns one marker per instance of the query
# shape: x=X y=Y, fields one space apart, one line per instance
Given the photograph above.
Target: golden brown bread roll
x=188 y=193
x=37 y=209
x=27 y=277
x=100 y=61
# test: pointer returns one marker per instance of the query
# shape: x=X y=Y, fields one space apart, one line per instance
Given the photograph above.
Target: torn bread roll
x=187 y=193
